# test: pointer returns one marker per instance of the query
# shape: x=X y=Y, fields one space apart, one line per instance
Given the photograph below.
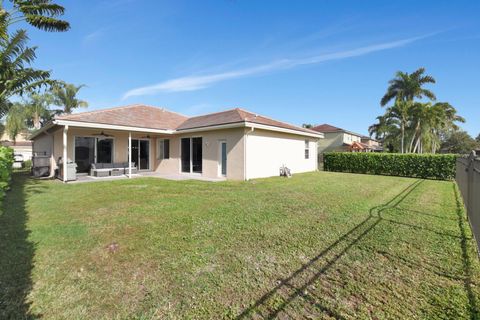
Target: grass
x=318 y=245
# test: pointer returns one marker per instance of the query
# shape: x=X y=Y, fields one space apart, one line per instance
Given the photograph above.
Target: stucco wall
x=267 y=151
x=233 y=137
x=210 y=150
x=333 y=141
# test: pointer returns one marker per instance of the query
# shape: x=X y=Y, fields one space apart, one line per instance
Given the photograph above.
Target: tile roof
x=137 y=115
x=236 y=115
x=143 y=116
x=327 y=128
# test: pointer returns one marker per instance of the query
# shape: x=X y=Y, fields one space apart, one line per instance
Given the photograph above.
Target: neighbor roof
x=138 y=115
x=327 y=128
x=236 y=115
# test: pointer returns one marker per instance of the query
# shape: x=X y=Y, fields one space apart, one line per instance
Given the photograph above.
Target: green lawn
x=319 y=245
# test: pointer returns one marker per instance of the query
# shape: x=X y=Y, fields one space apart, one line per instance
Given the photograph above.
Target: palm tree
x=407 y=86
x=37 y=109
x=41 y=14
x=400 y=113
x=16 y=78
x=15 y=121
x=65 y=96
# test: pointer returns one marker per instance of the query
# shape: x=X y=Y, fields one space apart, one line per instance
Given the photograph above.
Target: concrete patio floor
x=178 y=176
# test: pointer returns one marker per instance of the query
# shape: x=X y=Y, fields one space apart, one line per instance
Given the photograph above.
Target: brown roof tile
x=326 y=128
x=158 y=118
x=235 y=116
x=134 y=116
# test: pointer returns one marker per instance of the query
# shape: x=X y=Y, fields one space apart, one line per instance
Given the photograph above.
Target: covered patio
x=175 y=177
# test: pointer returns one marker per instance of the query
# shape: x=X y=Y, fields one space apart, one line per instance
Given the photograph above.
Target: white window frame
x=307 y=149
x=161 y=149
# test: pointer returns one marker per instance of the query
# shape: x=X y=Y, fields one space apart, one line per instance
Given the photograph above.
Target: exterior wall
x=120 y=144
x=233 y=137
x=267 y=151
x=210 y=152
x=350 y=138
x=333 y=141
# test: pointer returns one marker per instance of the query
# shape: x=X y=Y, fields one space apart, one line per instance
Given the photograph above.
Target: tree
x=307 y=126
x=37 y=109
x=406 y=87
x=15 y=121
x=399 y=114
x=16 y=75
x=478 y=138
x=16 y=78
x=65 y=96
x=41 y=14
x=459 y=142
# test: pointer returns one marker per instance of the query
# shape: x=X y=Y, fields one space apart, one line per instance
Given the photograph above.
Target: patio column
x=64 y=157
x=129 y=154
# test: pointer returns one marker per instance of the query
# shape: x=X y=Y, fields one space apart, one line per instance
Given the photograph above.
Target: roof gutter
x=241 y=124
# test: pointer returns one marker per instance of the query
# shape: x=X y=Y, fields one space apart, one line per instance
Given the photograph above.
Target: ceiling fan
x=103 y=134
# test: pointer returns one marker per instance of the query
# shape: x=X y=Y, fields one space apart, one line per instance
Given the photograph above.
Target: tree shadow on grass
x=276 y=301
x=467 y=259
x=16 y=251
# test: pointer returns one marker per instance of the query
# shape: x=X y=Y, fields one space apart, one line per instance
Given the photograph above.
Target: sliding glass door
x=191 y=155
x=84 y=153
x=141 y=154
x=90 y=150
x=185 y=145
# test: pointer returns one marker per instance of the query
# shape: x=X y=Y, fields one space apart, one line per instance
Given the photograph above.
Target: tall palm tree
x=65 y=96
x=16 y=78
x=407 y=86
x=400 y=113
x=15 y=121
x=37 y=109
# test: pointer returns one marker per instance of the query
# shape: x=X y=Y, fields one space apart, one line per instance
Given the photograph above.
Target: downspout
x=245 y=153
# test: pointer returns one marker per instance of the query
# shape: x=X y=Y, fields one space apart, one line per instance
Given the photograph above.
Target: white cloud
x=191 y=83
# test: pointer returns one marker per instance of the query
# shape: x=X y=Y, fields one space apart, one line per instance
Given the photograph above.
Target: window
x=307 y=149
x=191 y=154
x=163 y=149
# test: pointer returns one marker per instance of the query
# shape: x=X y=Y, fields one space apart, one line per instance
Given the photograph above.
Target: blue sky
x=297 y=61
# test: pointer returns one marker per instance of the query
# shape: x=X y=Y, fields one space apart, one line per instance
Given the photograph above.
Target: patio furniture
x=102 y=172
x=115 y=172
x=119 y=167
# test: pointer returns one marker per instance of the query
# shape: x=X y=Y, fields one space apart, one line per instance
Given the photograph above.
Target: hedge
x=6 y=163
x=427 y=166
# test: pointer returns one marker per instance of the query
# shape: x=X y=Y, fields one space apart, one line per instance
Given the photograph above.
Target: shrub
x=6 y=163
x=427 y=166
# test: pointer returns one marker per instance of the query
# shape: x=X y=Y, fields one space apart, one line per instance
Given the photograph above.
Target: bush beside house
x=6 y=163
x=427 y=166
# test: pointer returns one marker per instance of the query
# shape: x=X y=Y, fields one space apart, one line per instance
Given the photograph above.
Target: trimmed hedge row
x=427 y=166
x=6 y=163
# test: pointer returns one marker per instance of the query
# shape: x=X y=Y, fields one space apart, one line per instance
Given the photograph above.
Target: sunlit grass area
x=318 y=245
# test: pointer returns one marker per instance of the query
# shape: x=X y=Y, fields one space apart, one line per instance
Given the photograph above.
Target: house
x=372 y=144
x=338 y=139
x=235 y=144
x=22 y=145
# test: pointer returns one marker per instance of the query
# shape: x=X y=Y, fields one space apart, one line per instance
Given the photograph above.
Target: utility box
x=71 y=171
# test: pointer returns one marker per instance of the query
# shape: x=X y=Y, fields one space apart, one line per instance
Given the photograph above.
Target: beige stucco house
x=341 y=140
x=21 y=146
x=234 y=144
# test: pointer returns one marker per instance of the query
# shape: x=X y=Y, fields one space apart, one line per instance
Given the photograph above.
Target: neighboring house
x=235 y=144
x=372 y=144
x=338 y=139
x=21 y=146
